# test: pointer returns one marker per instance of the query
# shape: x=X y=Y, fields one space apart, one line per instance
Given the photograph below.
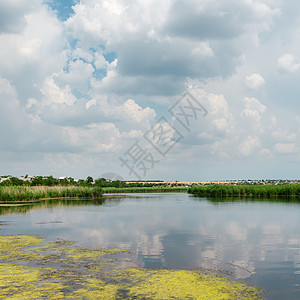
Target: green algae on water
x=33 y=269
x=183 y=284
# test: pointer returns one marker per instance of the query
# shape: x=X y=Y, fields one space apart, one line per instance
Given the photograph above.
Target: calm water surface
x=257 y=241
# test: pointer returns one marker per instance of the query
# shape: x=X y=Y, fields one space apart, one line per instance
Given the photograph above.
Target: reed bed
x=266 y=191
x=26 y=193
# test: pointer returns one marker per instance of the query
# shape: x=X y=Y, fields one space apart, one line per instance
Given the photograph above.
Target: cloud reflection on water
x=245 y=238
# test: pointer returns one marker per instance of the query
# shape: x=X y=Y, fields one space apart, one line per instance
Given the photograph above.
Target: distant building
x=3 y=179
x=30 y=177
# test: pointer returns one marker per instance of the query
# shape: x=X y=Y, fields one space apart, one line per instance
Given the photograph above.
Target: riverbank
x=31 y=193
x=28 y=193
x=258 y=191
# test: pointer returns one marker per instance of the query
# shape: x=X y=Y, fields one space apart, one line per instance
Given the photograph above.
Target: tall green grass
x=25 y=193
x=266 y=191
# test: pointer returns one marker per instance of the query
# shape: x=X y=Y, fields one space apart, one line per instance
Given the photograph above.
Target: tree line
x=89 y=181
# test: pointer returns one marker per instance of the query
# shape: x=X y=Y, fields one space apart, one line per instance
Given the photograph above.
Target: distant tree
x=81 y=182
x=4 y=183
x=89 y=180
x=64 y=181
x=101 y=182
x=14 y=181
x=71 y=181
x=38 y=180
x=118 y=184
x=50 y=181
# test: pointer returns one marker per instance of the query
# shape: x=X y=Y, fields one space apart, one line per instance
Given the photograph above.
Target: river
x=254 y=241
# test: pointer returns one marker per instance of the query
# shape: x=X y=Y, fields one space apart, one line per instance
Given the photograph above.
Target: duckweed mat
x=33 y=269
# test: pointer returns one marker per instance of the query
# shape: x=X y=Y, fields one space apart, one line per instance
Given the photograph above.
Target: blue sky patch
x=110 y=56
x=62 y=7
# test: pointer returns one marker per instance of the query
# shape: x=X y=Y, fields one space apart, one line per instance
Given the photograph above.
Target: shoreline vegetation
x=24 y=193
x=32 y=193
x=30 y=188
x=255 y=191
x=29 y=193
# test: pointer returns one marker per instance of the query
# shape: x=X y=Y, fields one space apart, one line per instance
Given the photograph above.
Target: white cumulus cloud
x=255 y=81
x=253 y=109
x=249 y=145
x=288 y=63
x=286 y=148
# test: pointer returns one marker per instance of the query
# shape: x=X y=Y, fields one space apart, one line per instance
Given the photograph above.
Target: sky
x=169 y=90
